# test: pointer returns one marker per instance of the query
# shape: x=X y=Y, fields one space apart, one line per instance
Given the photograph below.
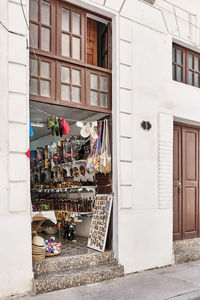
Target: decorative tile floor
x=69 y=248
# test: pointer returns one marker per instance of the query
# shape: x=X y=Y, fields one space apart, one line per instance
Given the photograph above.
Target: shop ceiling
x=39 y=113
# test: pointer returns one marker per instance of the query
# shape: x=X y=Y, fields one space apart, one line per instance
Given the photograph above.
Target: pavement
x=180 y=282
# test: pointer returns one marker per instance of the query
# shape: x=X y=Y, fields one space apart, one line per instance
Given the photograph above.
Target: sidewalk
x=180 y=282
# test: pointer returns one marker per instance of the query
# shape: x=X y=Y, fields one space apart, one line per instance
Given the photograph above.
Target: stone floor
x=70 y=248
x=179 y=282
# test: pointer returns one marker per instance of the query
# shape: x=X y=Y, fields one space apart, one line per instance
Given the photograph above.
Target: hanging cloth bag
x=96 y=157
x=105 y=157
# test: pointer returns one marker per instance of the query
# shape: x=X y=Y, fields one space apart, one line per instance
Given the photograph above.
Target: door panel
x=186 y=183
x=190 y=181
x=91 y=42
x=177 y=204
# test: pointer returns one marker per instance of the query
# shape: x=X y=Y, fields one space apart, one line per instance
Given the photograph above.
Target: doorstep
x=186 y=250
x=63 y=272
x=76 y=265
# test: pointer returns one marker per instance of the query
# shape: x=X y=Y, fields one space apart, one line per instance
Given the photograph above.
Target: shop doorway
x=186 y=182
x=63 y=188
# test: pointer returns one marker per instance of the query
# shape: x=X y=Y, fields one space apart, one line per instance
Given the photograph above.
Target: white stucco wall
x=142 y=90
x=15 y=255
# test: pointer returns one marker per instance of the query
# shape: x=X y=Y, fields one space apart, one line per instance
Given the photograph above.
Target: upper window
x=76 y=47
x=42 y=25
x=185 y=65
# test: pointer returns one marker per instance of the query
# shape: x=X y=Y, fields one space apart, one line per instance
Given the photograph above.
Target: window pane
x=34 y=66
x=34 y=86
x=45 y=69
x=76 y=94
x=179 y=73
x=45 y=13
x=33 y=10
x=196 y=79
x=179 y=56
x=173 y=72
x=103 y=100
x=190 y=76
x=45 y=39
x=45 y=88
x=103 y=83
x=196 y=63
x=76 y=23
x=65 y=92
x=33 y=35
x=65 y=45
x=65 y=74
x=173 y=54
x=65 y=19
x=76 y=48
x=190 y=61
x=94 y=98
x=76 y=77
x=94 y=81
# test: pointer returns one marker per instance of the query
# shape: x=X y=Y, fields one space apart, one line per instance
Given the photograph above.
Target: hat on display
x=85 y=131
x=66 y=128
x=93 y=130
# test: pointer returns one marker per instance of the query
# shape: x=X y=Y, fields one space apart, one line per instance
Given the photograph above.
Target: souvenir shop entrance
x=70 y=166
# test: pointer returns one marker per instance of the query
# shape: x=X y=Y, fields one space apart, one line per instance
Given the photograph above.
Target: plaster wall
x=142 y=90
x=15 y=231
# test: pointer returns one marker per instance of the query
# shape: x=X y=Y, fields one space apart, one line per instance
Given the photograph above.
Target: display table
x=40 y=217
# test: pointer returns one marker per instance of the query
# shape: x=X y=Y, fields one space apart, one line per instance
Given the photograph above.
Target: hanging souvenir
x=105 y=157
x=96 y=158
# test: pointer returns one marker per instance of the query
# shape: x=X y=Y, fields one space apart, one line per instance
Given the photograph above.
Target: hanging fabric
x=93 y=160
x=105 y=157
x=96 y=158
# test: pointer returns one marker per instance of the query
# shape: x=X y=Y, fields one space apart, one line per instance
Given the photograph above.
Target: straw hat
x=93 y=130
x=85 y=131
x=38 y=241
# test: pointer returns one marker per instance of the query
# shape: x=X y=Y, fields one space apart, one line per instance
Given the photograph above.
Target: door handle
x=180 y=186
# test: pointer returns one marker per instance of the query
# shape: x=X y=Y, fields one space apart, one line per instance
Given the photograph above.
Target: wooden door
x=177 y=203
x=91 y=42
x=186 y=182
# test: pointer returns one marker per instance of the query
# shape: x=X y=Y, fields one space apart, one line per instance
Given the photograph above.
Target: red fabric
x=28 y=154
x=66 y=128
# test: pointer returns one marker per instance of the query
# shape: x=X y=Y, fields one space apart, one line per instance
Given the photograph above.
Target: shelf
x=74 y=212
x=70 y=163
x=63 y=190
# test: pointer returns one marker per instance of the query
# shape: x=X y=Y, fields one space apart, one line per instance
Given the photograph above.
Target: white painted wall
x=15 y=231
x=142 y=90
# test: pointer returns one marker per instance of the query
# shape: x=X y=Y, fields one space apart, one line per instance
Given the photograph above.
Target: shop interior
x=64 y=182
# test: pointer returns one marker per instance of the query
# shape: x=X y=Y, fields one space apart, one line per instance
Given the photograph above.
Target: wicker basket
x=52 y=254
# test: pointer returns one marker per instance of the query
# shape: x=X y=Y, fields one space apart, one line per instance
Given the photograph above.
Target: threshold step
x=188 y=243
x=68 y=262
x=76 y=277
x=186 y=255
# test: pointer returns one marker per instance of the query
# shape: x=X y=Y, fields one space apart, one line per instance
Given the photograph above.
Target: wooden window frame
x=40 y=25
x=59 y=32
x=51 y=79
x=55 y=57
x=185 y=64
x=59 y=84
x=108 y=92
